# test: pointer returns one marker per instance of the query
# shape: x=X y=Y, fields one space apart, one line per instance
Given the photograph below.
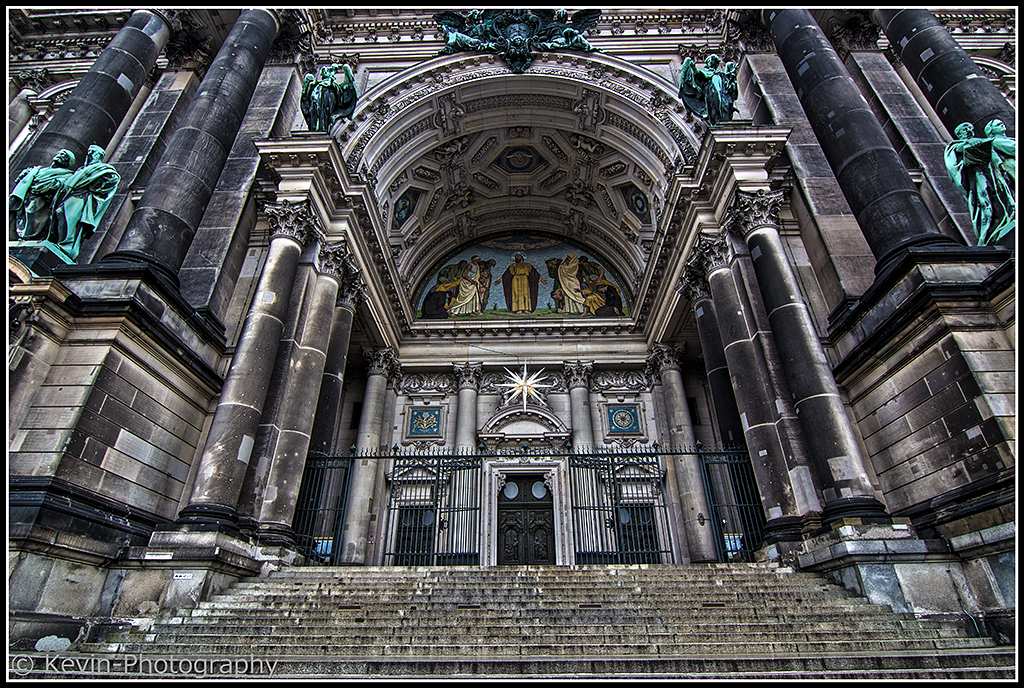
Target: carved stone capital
x=468 y=375
x=710 y=253
x=382 y=361
x=751 y=211
x=664 y=357
x=351 y=292
x=293 y=219
x=857 y=33
x=694 y=284
x=336 y=261
x=578 y=374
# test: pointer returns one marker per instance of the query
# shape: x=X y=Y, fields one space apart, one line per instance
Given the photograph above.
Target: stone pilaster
x=833 y=448
x=93 y=111
x=694 y=513
x=951 y=81
x=381 y=365
x=161 y=229
x=467 y=376
x=884 y=199
x=229 y=445
x=577 y=377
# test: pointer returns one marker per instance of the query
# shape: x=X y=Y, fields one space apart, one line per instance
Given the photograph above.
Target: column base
x=862 y=509
x=206 y=518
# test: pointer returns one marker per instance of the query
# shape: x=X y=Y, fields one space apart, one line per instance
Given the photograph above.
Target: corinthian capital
x=710 y=253
x=382 y=361
x=753 y=210
x=694 y=284
x=578 y=374
x=468 y=375
x=664 y=357
x=294 y=219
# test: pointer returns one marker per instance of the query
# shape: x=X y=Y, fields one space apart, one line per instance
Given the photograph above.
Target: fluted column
x=468 y=377
x=161 y=229
x=93 y=111
x=382 y=365
x=297 y=403
x=694 y=513
x=884 y=199
x=952 y=82
x=225 y=458
x=577 y=377
x=328 y=409
x=830 y=438
x=785 y=481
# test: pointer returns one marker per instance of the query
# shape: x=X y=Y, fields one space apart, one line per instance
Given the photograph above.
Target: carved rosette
x=293 y=219
x=694 y=284
x=664 y=357
x=578 y=374
x=382 y=361
x=752 y=211
x=468 y=375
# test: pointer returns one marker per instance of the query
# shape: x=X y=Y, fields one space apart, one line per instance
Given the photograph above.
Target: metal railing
x=616 y=502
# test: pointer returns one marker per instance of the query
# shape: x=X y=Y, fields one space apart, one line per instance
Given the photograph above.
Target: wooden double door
x=526 y=521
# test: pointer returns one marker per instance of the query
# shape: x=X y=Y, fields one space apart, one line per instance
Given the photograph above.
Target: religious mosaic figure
x=82 y=200
x=30 y=205
x=600 y=297
x=485 y=281
x=572 y=293
x=328 y=97
x=981 y=169
x=521 y=283
x=467 y=298
x=709 y=92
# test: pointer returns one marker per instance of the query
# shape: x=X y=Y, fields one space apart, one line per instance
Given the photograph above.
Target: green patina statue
x=58 y=206
x=985 y=171
x=709 y=92
x=328 y=96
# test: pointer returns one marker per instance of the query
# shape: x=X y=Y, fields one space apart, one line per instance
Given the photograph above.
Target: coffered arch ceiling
x=580 y=146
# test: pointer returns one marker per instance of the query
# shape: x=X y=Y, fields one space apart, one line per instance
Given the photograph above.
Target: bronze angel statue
x=709 y=92
x=328 y=97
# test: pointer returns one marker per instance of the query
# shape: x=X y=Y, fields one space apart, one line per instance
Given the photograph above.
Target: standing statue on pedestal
x=30 y=205
x=985 y=171
x=328 y=97
x=709 y=92
x=81 y=202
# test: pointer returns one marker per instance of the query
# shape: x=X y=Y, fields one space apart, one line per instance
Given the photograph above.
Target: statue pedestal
x=40 y=257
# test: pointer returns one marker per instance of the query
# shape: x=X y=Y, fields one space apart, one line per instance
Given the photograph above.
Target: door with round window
x=526 y=520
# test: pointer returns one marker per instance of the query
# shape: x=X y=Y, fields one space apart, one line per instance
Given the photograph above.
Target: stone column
x=225 y=458
x=784 y=479
x=381 y=364
x=884 y=199
x=161 y=229
x=830 y=438
x=297 y=404
x=328 y=409
x=93 y=111
x=693 y=508
x=951 y=81
x=468 y=377
x=577 y=377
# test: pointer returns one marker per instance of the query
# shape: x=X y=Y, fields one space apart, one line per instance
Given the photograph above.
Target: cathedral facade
x=508 y=287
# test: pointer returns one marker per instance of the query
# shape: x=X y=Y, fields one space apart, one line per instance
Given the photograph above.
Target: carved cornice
x=468 y=375
x=578 y=374
x=294 y=219
x=750 y=211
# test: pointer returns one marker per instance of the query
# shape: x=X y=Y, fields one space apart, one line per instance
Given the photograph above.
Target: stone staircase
x=698 y=621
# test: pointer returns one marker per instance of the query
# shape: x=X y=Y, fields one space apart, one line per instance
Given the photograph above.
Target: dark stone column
x=883 y=197
x=785 y=481
x=382 y=365
x=170 y=210
x=222 y=467
x=468 y=377
x=831 y=442
x=93 y=111
x=684 y=474
x=297 y=404
x=577 y=377
x=954 y=85
x=328 y=409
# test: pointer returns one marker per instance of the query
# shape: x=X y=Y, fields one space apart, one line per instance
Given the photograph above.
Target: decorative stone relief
x=382 y=361
x=710 y=253
x=664 y=357
x=468 y=375
x=294 y=219
x=752 y=210
x=421 y=384
x=578 y=374
x=620 y=380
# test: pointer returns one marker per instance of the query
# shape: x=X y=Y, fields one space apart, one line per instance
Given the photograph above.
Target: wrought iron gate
x=618 y=508
x=320 y=509
x=738 y=519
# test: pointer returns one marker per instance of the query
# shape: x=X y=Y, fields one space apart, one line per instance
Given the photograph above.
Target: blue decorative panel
x=425 y=422
x=624 y=419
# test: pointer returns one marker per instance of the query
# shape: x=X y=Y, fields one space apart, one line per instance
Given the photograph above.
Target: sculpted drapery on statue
x=515 y=34
x=709 y=92
x=328 y=96
x=985 y=171
x=60 y=205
